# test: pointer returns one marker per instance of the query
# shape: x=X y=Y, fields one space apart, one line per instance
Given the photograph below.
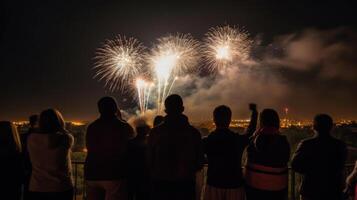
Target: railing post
x=348 y=168
x=75 y=180
x=292 y=184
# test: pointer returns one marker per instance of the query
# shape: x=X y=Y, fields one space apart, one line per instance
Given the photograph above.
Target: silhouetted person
x=106 y=162
x=321 y=160
x=176 y=154
x=224 y=150
x=33 y=127
x=138 y=180
x=266 y=172
x=50 y=154
x=11 y=168
x=351 y=184
x=158 y=120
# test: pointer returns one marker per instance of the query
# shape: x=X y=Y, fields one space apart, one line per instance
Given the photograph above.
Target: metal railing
x=79 y=181
x=80 y=186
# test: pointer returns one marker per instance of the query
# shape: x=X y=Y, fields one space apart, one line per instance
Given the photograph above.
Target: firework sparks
x=224 y=45
x=173 y=55
x=118 y=61
x=143 y=89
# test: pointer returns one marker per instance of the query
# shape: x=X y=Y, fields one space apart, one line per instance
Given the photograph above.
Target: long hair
x=9 y=137
x=269 y=118
x=51 y=121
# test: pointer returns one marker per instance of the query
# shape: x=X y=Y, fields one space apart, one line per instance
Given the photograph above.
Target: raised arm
x=253 y=120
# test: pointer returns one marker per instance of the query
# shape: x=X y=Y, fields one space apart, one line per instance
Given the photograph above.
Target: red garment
x=266 y=178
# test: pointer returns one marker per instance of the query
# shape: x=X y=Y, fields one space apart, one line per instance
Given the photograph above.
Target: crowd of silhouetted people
x=165 y=161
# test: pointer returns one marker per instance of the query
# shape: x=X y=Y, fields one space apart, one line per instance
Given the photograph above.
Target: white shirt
x=50 y=155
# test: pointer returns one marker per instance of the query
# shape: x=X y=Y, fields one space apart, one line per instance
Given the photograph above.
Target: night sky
x=47 y=48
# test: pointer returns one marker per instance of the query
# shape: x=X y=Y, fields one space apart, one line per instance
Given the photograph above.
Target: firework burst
x=118 y=61
x=224 y=45
x=173 y=55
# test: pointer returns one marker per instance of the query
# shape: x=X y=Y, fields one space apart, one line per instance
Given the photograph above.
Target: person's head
x=269 y=118
x=174 y=105
x=142 y=130
x=51 y=121
x=222 y=116
x=107 y=106
x=158 y=120
x=323 y=124
x=33 y=120
x=9 y=137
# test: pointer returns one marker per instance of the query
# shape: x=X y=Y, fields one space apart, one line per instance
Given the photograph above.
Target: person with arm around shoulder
x=50 y=154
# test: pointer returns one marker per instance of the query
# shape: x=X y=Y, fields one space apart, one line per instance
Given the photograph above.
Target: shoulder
x=124 y=124
x=158 y=128
x=93 y=124
x=282 y=138
x=211 y=136
x=67 y=138
x=195 y=132
x=341 y=144
x=306 y=143
x=120 y=123
x=271 y=139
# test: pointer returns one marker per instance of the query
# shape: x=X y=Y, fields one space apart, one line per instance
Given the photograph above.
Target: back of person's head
x=107 y=106
x=142 y=130
x=174 y=104
x=158 y=120
x=9 y=138
x=33 y=120
x=51 y=121
x=269 y=118
x=323 y=124
x=222 y=116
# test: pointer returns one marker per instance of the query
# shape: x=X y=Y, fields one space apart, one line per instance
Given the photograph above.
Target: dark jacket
x=138 y=160
x=106 y=142
x=11 y=169
x=271 y=150
x=224 y=150
x=175 y=149
x=321 y=160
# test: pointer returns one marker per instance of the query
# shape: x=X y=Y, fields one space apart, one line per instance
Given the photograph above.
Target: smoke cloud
x=310 y=72
x=331 y=52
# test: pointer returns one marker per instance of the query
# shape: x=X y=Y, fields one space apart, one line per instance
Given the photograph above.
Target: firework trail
x=118 y=61
x=143 y=89
x=172 y=56
x=224 y=45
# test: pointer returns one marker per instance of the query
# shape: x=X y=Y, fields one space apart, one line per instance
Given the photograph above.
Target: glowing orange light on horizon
x=76 y=123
